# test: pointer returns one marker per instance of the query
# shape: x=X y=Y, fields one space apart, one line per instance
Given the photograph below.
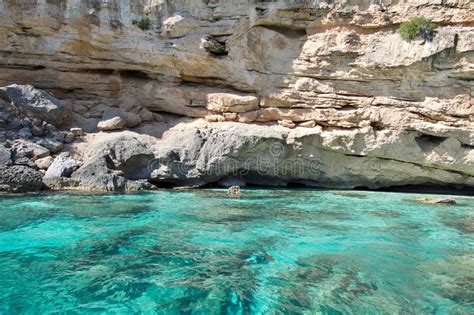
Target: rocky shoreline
x=197 y=153
x=217 y=93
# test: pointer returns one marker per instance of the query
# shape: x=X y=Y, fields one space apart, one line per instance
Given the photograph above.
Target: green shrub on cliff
x=143 y=24
x=417 y=26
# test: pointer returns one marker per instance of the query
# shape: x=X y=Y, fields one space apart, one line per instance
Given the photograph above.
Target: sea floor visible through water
x=263 y=252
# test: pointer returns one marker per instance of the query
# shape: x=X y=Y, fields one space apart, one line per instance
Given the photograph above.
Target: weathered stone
x=68 y=137
x=159 y=118
x=234 y=190
x=394 y=112
x=63 y=166
x=226 y=102
x=307 y=124
x=77 y=132
x=310 y=156
x=287 y=123
x=213 y=46
x=5 y=156
x=248 y=117
x=230 y=116
x=19 y=179
x=36 y=131
x=25 y=133
x=146 y=115
x=133 y=120
x=25 y=162
x=52 y=145
x=115 y=123
x=35 y=103
x=215 y=118
x=130 y=152
x=44 y=163
x=97 y=174
x=22 y=148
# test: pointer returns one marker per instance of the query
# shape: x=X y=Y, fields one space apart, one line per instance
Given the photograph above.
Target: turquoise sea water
x=264 y=252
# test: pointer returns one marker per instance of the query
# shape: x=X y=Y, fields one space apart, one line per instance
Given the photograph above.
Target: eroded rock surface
x=357 y=105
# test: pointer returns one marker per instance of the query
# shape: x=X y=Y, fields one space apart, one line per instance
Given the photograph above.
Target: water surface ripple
x=264 y=252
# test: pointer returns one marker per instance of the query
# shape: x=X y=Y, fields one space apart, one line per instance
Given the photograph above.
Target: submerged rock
x=448 y=201
x=234 y=190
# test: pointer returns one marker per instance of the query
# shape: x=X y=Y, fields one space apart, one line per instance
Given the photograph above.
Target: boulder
x=25 y=133
x=77 y=132
x=115 y=123
x=234 y=190
x=52 y=145
x=158 y=117
x=248 y=117
x=133 y=120
x=5 y=156
x=146 y=115
x=20 y=179
x=68 y=137
x=111 y=112
x=234 y=103
x=130 y=152
x=36 y=131
x=23 y=148
x=44 y=163
x=63 y=166
x=213 y=46
x=215 y=118
x=98 y=174
x=25 y=162
x=287 y=123
x=35 y=103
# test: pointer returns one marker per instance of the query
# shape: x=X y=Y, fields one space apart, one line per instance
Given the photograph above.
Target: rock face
x=332 y=159
x=357 y=105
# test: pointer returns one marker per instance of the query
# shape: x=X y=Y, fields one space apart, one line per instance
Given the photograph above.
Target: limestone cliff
x=370 y=109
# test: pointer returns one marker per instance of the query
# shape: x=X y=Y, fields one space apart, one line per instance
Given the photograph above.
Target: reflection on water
x=264 y=252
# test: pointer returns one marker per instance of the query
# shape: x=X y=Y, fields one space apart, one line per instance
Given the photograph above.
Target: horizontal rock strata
x=331 y=85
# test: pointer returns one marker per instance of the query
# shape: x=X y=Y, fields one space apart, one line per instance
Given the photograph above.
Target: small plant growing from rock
x=144 y=24
x=417 y=26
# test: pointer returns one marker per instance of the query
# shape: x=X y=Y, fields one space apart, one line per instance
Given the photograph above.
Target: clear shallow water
x=265 y=252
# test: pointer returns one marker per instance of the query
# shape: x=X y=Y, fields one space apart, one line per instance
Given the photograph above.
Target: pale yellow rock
x=44 y=163
x=287 y=123
x=230 y=116
x=307 y=124
x=115 y=123
x=225 y=102
x=248 y=117
x=215 y=118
